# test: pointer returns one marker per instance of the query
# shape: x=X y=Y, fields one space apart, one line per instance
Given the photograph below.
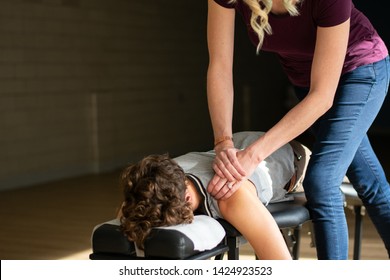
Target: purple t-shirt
x=293 y=37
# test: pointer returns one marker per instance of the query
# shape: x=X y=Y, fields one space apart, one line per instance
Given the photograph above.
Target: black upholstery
x=108 y=242
x=159 y=245
x=109 y=239
x=290 y=213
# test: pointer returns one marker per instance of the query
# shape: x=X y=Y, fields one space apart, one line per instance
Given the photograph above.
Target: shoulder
x=331 y=12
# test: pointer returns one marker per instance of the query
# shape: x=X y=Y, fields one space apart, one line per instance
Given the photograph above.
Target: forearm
x=220 y=101
x=294 y=123
x=220 y=41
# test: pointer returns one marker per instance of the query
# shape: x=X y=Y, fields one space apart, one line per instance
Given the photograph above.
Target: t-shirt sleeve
x=332 y=12
x=225 y=3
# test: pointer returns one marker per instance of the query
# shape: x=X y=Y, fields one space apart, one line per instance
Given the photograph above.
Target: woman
x=160 y=191
x=339 y=67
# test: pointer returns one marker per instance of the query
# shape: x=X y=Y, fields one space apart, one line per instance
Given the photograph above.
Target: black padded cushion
x=290 y=213
x=108 y=241
x=168 y=244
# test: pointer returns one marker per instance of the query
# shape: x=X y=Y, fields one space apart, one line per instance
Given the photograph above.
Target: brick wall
x=89 y=85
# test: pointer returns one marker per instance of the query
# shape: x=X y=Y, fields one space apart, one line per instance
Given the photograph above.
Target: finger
x=222 y=192
x=219 y=186
x=215 y=185
x=229 y=165
x=224 y=166
x=231 y=190
x=239 y=170
x=234 y=175
x=227 y=190
x=217 y=170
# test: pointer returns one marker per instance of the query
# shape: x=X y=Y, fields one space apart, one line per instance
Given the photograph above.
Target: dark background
x=87 y=86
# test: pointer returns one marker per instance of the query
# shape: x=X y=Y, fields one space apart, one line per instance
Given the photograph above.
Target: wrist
x=224 y=145
x=255 y=152
x=222 y=139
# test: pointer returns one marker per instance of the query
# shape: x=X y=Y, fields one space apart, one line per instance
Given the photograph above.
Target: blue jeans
x=342 y=148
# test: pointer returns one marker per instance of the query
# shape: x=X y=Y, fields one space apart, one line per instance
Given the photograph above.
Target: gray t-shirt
x=270 y=176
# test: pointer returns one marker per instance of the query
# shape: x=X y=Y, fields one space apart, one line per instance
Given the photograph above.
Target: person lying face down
x=161 y=191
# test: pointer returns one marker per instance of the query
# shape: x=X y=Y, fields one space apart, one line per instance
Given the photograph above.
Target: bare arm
x=249 y=216
x=220 y=38
x=327 y=64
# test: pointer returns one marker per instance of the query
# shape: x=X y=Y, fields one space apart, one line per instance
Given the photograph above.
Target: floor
x=55 y=220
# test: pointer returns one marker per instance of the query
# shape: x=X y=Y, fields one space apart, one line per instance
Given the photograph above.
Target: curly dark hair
x=154 y=195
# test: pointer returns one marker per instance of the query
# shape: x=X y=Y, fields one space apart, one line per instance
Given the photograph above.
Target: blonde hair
x=259 y=18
